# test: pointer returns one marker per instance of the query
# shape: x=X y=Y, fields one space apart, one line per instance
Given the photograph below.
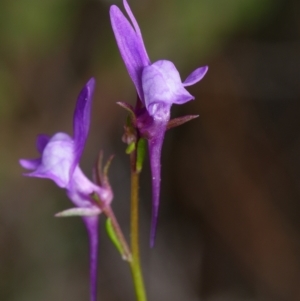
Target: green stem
x=125 y=249
x=134 y=232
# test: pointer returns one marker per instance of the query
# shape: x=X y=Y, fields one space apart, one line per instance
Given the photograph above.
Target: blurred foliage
x=35 y=26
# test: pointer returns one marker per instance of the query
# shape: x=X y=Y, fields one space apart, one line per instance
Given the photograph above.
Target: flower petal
x=155 y=146
x=159 y=111
x=195 y=76
x=41 y=142
x=131 y=45
x=56 y=161
x=30 y=164
x=80 y=188
x=162 y=83
x=81 y=120
x=91 y=224
x=136 y=28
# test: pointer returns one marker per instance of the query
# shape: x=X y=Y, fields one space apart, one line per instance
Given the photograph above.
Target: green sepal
x=129 y=121
x=130 y=148
x=180 y=120
x=112 y=235
x=106 y=168
x=141 y=154
x=129 y=109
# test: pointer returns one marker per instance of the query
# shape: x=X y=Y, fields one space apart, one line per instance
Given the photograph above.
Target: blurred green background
x=229 y=223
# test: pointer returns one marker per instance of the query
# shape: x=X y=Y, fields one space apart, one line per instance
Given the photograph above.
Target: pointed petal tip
x=113 y=10
x=154 y=220
x=155 y=146
x=195 y=76
x=23 y=162
x=133 y=19
x=152 y=238
x=92 y=80
x=90 y=85
x=30 y=164
x=92 y=228
x=205 y=68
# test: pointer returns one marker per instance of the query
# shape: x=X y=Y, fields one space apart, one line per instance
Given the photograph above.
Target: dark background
x=230 y=206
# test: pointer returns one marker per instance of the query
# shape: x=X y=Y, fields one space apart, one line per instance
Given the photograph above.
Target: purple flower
x=59 y=161
x=158 y=86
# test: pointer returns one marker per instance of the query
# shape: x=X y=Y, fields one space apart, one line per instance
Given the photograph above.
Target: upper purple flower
x=158 y=82
x=158 y=86
x=59 y=161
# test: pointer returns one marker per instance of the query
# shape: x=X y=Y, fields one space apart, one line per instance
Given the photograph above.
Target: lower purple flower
x=59 y=161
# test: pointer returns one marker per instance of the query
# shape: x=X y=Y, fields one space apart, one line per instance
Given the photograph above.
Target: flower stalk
x=135 y=264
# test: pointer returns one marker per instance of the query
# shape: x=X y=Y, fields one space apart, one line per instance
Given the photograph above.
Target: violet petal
x=137 y=30
x=155 y=146
x=30 y=164
x=130 y=44
x=92 y=228
x=195 y=76
x=56 y=161
x=81 y=121
x=80 y=188
x=159 y=111
x=41 y=142
x=161 y=83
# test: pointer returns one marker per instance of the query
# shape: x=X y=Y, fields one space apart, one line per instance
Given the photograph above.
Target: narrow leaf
x=112 y=235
